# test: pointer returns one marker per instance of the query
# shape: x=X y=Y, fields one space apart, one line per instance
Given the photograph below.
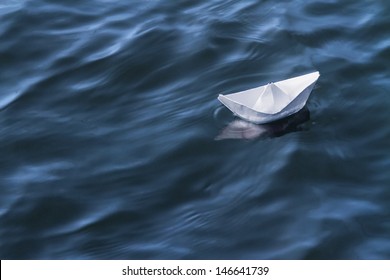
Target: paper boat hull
x=240 y=129
x=240 y=106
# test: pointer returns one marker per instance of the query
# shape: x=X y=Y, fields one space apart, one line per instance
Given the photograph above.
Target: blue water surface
x=114 y=146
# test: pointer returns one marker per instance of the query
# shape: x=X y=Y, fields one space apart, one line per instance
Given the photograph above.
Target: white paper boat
x=273 y=101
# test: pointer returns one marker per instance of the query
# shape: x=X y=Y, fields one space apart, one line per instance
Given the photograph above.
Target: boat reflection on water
x=240 y=129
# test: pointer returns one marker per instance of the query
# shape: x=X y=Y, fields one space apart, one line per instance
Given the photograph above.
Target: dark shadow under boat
x=240 y=129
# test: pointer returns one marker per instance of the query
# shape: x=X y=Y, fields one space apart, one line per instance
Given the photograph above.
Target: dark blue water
x=114 y=146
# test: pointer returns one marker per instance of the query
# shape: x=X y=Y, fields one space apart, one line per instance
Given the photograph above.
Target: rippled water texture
x=114 y=146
